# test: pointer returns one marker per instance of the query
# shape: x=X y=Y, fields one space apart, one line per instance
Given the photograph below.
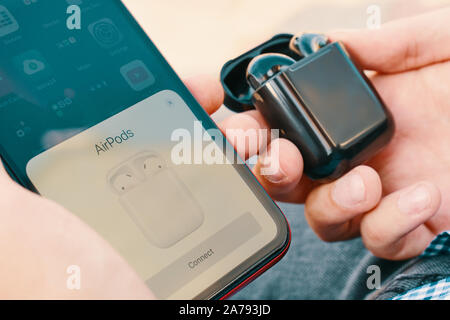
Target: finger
x=400 y=45
x=395 y=230
x=247 y=132
x=331 y=209
x=278 y=177
x=280 y=168
x=207 y=90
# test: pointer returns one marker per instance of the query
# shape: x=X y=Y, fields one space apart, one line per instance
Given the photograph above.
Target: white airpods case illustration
x=156 y=199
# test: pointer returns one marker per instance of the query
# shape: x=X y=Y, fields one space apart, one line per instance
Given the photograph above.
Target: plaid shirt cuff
x=440 y=245
x=439 y=290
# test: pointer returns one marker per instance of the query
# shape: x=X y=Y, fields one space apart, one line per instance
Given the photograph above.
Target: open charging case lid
x=238 y=93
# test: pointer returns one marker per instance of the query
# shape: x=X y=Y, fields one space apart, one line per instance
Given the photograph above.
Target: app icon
x=5 y=87
x=105 y=33
x=7 y=22
x=33 y=65
x=137 y=75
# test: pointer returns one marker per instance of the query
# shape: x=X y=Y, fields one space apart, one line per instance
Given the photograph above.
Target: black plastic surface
x=238 y=93
x=329 y=109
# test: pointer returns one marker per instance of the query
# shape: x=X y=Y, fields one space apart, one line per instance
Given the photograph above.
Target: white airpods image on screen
x=156 y=199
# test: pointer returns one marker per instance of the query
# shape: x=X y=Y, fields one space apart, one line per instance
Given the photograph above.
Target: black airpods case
x=322 y=102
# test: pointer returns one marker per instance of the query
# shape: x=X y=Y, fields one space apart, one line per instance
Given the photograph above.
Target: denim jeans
x=313 y=269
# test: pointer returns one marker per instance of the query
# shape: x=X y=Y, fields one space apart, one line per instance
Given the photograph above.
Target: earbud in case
x=156 y=199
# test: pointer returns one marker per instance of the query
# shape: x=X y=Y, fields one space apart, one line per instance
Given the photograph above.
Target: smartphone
x=94 y=119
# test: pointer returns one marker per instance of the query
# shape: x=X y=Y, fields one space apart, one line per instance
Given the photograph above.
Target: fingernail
x=275 y=174
x=271 y=169
x=349 y=191
x=415 y=200
x=279 y=177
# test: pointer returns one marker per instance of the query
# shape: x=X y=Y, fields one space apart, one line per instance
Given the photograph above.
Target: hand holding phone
x=55 y=248
x=98 y=134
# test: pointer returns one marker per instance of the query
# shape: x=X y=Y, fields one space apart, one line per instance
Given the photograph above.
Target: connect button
x=202 y=257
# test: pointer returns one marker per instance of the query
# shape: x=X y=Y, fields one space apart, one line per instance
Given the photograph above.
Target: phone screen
x=96 y=120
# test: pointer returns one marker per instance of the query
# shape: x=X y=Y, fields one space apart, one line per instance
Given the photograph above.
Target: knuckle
x=326 y=236
x=373 y=237
x=319 y=224
x=313 y=213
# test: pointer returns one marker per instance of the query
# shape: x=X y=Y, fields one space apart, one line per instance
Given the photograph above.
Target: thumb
x=400 y=45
